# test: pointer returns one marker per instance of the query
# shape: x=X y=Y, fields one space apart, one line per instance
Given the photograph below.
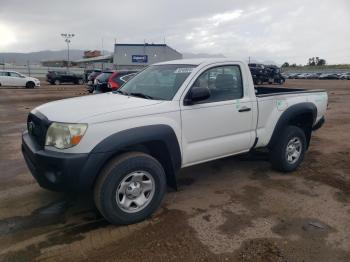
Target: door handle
x=244 y=109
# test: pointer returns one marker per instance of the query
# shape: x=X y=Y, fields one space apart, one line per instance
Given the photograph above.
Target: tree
x=285 y=64
x=311 y=61
x=316 y=61
x=321 y=62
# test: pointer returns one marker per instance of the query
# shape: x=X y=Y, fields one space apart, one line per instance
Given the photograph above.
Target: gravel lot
x=234 y=209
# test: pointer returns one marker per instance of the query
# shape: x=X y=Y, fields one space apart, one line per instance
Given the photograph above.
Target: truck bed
x=263 y=91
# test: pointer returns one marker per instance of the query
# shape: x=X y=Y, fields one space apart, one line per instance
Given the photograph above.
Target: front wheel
x=30 y=85
x=288 y=152
x=130 y=188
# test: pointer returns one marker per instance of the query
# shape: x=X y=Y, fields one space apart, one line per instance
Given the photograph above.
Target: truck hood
x=74 y=110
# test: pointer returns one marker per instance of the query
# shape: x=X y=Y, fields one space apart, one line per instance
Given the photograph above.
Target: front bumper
x=60 y=171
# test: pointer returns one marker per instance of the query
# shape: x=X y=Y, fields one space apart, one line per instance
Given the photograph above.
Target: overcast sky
x=265 y=30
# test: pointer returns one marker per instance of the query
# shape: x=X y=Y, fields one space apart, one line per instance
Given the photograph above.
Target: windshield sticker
x=185 y=70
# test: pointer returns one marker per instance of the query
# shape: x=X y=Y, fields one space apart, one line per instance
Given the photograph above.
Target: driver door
x=222 y=124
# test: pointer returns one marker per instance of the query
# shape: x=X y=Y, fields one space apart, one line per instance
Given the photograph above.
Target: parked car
x=91 y=79
x=59 y=77
x=345 y=76
x=302 y=76
x=125 y=146
x=88 y=72
x=266 y=74
x=328 y=76
x=117 y=79
x=13 y=78
x=314 y=75
x=101 y=81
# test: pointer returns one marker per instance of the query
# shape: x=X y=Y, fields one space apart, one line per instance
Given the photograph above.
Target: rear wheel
x=288 y=152
x=30 y=85
x=130 y=188
x=80 y=82
x=57 y=82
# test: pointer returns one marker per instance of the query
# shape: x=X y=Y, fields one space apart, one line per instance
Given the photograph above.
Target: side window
x=224 y=83
x=13 y=74
x=2 y=73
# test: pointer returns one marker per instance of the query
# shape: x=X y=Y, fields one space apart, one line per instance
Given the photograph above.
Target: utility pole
x=249 y=59
x=67 y=38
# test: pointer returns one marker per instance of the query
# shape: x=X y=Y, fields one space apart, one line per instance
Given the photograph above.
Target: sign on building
x=139 y=58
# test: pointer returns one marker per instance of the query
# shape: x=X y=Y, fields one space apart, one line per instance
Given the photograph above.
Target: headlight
x=61 y=135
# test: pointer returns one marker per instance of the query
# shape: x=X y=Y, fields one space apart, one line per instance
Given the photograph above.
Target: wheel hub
x=293 y=150
x=133 y=190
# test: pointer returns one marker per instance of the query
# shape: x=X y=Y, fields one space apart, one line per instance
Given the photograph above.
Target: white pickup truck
x=126 y=146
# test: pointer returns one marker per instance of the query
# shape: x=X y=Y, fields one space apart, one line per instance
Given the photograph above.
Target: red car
x=117 y=79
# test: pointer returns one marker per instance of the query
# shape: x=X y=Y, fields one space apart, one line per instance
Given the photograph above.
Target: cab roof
x=197 y=61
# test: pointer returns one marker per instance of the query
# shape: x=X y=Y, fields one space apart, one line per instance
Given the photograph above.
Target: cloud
x=225 y=17
x=8 y=36
x=265 y=30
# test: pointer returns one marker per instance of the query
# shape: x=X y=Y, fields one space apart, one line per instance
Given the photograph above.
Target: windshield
x=104 y=76
x=158 y=81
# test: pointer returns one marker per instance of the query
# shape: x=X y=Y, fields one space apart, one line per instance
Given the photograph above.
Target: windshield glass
x=104 y=76
x=158 y=81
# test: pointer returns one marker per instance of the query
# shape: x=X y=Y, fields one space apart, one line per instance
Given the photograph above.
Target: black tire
x=113 y=174
x=80 y=82
x=57 y=82
x=278 y=152
x=30 y=84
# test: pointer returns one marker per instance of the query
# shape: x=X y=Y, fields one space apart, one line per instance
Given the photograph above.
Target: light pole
x=67 y=39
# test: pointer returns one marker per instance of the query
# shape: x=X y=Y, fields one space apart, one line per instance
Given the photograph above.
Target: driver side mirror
x=196 y=94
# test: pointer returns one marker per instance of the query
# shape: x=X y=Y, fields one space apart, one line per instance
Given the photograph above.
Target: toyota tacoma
x=126 y=146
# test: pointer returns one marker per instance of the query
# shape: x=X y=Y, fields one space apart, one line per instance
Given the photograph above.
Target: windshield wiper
x=122 y=92
x=142 y=95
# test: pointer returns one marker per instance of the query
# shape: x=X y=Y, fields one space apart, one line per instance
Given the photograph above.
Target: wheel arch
x=30 y=82
x=302 y=115
x=159 y=141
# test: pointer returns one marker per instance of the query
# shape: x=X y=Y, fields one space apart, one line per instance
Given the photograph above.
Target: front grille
x=37 y=125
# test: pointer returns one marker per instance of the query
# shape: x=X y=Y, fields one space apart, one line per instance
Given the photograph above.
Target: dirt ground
x=233 y=209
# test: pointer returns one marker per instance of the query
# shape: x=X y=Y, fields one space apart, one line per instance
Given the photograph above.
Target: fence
x=38 y=70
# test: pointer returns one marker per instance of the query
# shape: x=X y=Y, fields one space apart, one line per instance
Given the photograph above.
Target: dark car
x=88 y=72
x=59 y=77
x=117 y=79
x=274 y=74
x=329 y=76
x=266 y=74
x=101 y=81
x=91 y=78
x=114 y=78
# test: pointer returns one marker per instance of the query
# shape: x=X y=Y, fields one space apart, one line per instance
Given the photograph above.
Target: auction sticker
x=184 y=70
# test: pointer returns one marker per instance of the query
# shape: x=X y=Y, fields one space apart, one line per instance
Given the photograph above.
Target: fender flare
x=289 y=114
x=126 y=139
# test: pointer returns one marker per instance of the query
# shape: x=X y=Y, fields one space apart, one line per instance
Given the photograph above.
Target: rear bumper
x=60 y=171
x=319 y=124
